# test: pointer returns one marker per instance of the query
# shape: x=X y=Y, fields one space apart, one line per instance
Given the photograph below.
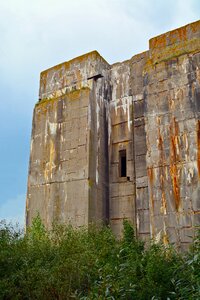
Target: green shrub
x=90 y=263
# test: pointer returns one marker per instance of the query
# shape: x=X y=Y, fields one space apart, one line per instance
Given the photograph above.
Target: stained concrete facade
x=122 y=141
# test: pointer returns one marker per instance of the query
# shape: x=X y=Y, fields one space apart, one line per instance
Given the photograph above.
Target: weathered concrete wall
x=171 y=120
x=142 y=117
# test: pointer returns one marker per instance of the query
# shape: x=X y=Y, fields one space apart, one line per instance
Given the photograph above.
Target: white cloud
x=13 y=210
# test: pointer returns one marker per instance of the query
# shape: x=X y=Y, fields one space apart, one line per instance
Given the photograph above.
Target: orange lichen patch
x=177 y=36
x=185 y=47
x=195 y=26
x=182 y=32
x=158 y=42
x=174 y=36
x=165 y=53
x=198 y=147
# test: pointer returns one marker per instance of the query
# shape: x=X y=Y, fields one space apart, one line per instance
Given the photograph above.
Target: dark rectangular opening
x=122 y=163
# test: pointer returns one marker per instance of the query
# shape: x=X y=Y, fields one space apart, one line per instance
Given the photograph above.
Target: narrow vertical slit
x=122 y=163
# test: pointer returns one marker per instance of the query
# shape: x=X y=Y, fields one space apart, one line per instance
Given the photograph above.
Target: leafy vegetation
x=66 y=263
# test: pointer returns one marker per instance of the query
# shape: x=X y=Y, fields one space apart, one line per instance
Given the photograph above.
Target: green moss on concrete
x=176 y=50
x=51 y=100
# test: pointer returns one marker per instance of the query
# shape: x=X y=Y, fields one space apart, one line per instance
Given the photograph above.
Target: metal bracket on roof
x=95 y=77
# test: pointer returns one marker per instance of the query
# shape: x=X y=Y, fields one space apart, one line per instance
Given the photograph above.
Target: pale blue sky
x=37 y=34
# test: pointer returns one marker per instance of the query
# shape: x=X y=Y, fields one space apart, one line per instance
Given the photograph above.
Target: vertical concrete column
x=122 y=179
x=137 y=63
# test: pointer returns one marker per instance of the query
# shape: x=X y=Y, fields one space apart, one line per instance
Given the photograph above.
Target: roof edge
x=80 y=58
